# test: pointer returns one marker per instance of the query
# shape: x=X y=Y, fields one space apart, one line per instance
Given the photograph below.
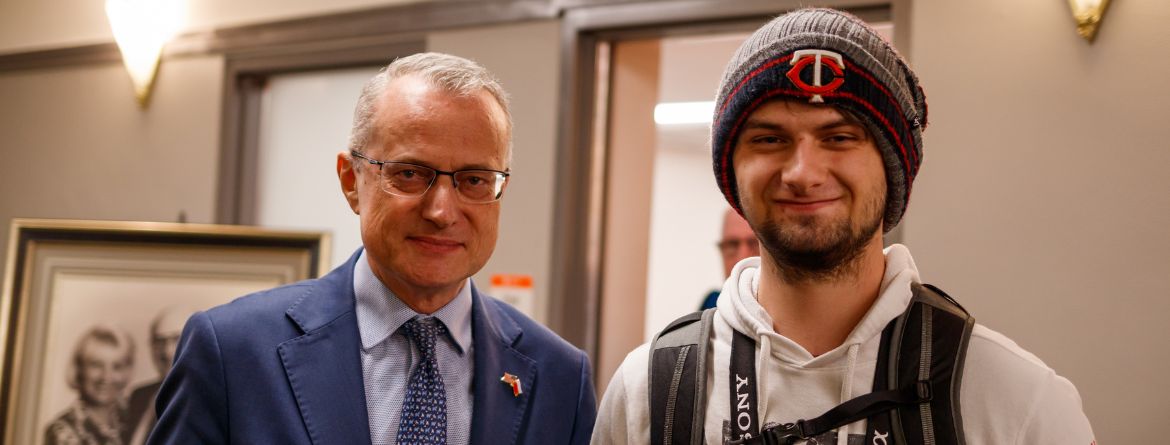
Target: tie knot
x=423 y=331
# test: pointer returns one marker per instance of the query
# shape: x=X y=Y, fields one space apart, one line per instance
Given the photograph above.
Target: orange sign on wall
x=516 y=290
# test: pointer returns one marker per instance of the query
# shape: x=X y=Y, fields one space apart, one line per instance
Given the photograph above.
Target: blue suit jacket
x=283 y=366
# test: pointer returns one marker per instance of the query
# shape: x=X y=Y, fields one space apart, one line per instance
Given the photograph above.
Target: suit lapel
x=324 y=365
x=497 y=414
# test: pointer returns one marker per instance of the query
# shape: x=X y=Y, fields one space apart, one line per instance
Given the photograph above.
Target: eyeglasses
x=730 y=246
x=474 y=186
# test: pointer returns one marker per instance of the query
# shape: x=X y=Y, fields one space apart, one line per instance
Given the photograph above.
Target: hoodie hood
x=739 y=308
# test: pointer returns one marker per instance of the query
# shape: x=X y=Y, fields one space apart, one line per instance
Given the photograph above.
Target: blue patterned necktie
x=424 y=411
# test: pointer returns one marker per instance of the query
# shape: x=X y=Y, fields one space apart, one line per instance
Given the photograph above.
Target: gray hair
x=107 y=335
x=454 y=74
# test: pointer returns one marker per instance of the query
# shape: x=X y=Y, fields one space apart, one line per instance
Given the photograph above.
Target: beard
x=806 y=250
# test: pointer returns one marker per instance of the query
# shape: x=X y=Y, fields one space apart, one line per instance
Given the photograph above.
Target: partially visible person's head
x=165 y=330
x=816 y=138
x=100 y=368
x=427 y=113
x=737 y=241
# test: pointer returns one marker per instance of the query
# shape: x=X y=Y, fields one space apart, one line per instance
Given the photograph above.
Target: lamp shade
x=142 y=28
x=1088 y=14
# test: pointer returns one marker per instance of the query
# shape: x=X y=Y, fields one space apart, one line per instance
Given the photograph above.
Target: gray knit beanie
x=825 y=56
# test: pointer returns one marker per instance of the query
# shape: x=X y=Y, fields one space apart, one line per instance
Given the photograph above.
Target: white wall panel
x=305 y=119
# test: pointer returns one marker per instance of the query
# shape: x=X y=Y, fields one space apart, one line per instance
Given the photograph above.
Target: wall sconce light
x=1088 y=14
x=141 y=28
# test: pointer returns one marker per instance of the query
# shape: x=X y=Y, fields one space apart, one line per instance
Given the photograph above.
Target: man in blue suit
x=396 y=346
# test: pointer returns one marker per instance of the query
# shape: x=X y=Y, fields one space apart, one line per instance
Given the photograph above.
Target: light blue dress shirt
x=388 y=357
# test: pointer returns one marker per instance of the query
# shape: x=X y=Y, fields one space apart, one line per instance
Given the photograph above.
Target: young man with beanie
x=816 y=140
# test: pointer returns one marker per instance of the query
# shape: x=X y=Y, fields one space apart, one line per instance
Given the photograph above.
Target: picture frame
x=90 y=308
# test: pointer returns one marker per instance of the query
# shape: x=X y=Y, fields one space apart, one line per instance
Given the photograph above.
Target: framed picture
x=91 y=313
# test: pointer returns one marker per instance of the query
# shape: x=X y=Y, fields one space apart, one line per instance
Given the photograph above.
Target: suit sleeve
x=586 y=405
x=192 y=402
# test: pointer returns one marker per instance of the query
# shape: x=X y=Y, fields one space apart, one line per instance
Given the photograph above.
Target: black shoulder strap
x=678 y=380
x=927 y=343
x=742 y=391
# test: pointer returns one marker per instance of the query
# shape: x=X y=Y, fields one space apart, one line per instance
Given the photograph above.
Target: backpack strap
x=927 y=343
x=678 y=380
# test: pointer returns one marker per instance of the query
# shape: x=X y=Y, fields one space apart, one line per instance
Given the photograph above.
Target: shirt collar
x=380 y=313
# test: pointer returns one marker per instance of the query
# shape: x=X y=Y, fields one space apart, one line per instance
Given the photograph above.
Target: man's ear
x=348 y=178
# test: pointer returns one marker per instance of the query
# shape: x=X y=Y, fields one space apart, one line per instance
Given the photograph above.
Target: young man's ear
x=348 y=178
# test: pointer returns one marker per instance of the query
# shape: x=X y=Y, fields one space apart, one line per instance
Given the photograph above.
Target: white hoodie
x=1007 y=396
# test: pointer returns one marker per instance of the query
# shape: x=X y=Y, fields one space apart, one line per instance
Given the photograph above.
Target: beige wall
x=28 y=24
x=76 y=145
x=526 y=59
x=1043 y=204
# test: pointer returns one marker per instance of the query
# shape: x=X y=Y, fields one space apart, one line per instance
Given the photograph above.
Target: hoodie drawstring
x=847 y=390
x=762 y=374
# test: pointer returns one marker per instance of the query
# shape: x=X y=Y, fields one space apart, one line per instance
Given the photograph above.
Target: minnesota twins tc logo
x=817 y=58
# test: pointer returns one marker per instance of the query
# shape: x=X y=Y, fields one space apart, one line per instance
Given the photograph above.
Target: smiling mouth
x=438 y=245
x=805 y=206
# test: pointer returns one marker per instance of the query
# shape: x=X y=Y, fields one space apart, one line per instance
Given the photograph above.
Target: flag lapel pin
x=514 y=382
